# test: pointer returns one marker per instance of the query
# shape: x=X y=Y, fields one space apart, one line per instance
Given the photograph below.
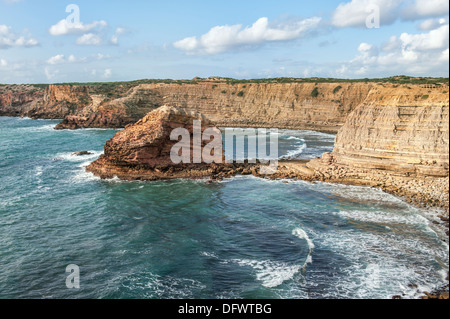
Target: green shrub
x=337 y=89
x=315 y=92
x=240 y=94
x=224 y=92
x=424 y=97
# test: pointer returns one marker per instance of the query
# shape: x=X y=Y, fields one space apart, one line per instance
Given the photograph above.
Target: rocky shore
x=392 y=137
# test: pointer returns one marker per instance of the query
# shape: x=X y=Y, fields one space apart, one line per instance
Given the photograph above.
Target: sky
x=54 y=41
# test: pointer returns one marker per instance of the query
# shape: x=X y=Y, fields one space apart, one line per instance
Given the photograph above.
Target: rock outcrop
x=16 y=98
x=142 y=150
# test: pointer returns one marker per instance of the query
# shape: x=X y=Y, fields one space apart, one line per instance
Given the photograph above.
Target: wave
x=295 y=153
x=272 y=274
x=307 y=133
x=73 y=158
x=37 y=129
x=382 y=217
x=300 y=233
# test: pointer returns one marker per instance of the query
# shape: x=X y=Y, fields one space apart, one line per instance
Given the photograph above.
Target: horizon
x=261 y=80
x=53 y=42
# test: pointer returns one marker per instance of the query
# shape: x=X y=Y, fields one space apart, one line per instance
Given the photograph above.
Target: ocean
x=243 y=237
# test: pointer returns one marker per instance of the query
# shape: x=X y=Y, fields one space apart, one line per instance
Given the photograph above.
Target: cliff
x=321 y=106
x=396 y=140
x=296 y=105
x=15 y=98
x=401 y=130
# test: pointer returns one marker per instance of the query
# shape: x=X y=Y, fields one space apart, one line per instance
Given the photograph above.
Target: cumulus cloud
x=431 y=24
x=3 y=63
x=89 y=39
x=225 y=38
x=115 y=38
x=420 y=9
x=50 y=73
x=64 y=27
x=107 y=74
x=61 y=58
x=356 y=12
x=8 y=38
x=421 y=54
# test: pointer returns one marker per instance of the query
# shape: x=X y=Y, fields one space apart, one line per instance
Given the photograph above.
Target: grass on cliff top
x=401 y=79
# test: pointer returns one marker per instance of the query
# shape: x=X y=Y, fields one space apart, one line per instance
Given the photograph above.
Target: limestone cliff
x=401 y=130
x=321 y=106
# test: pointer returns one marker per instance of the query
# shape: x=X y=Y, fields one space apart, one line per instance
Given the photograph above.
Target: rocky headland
x=142 y=151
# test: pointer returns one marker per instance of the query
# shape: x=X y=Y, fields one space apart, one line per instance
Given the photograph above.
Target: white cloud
x=434 y=40
x=420 y=9
x=356 y=12
x=8 y=38
x=107 y=74
x=3 y=63
x=224 y=38
x=61 y=58
x=89 y=39
x=418 y=54
x=50 y=73
x=431 y=24
x=115 y=37
x=64 y=27
x=57 y=59
x=100 y=56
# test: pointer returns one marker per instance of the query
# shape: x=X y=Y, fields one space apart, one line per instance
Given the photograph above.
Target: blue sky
x=128 y=40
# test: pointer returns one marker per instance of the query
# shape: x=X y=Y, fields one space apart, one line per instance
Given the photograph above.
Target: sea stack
x=142 y=150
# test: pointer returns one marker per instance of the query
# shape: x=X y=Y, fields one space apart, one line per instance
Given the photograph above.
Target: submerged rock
x=81 y=153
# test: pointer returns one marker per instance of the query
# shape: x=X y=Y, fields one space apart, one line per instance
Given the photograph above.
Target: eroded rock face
x=406 y=132
x=281 y=105
x=142 y=150
x=15 y=98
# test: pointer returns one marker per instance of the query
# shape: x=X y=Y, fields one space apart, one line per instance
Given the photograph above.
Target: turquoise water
x=240 y=238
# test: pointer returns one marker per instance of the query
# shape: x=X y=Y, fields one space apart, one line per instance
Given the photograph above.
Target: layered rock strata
x=400 y=131
x=321 y=106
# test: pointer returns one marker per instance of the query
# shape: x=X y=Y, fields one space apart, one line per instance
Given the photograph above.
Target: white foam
x=307 y=133
x=295 y=153
x=209 y=255
x=270 y=273
x=382 y=217
x=73 y=158
x=300 y=233
x=38 y=171
x=377 y=266
x=37 y=129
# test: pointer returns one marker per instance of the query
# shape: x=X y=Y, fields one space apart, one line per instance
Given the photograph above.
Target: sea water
x=243 y=237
